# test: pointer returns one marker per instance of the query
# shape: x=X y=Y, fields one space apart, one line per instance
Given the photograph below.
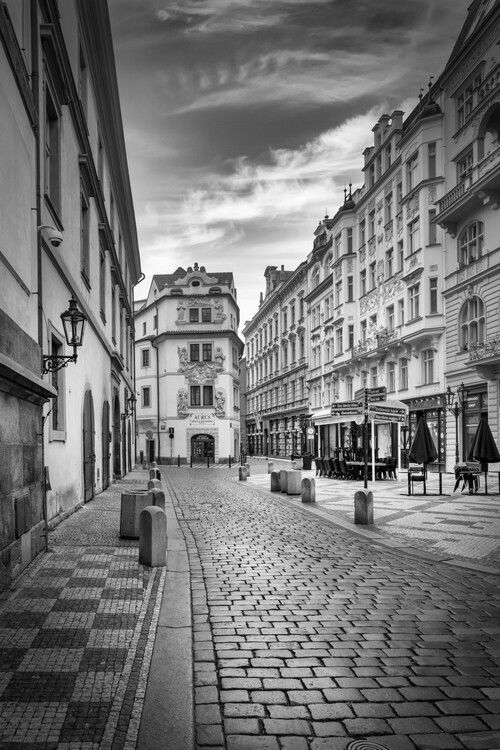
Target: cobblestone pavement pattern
x=76 y=635
x=306 y=636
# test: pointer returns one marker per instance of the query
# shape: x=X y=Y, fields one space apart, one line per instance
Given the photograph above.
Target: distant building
x=67 y=232
x=187 y=365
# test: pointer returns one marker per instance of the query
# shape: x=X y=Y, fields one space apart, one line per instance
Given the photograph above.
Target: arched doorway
x=88 y=447
x=105 y=444
x=116 y=438
x=202 y=446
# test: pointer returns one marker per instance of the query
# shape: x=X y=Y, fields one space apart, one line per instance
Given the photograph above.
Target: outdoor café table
x=359 y=467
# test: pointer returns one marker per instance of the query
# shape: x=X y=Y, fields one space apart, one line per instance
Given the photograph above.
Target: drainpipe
x=134 y=415
x=157 y=385
x=35 y=83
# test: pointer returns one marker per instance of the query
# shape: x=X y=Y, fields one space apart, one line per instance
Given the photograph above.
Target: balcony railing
x=376 y=341
x=490 y=162
x=484 y=350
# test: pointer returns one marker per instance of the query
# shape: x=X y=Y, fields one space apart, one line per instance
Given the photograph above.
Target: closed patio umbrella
x=423 y=450
x=484 y=449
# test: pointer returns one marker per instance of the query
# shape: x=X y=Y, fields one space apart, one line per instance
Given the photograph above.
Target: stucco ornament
x=220 y=401
x=200 y=372
x=182 y=403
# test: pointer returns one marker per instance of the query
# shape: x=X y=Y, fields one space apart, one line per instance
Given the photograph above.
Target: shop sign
x=202 y=419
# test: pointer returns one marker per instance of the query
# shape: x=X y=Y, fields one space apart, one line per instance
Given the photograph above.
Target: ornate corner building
x=188 y=368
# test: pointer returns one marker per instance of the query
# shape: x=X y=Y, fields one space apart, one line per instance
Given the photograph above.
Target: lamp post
x=456 y=406
x=74 y=326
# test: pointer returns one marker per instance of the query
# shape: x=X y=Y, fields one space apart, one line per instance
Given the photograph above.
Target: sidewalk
x=77 y=631
x=453 y=527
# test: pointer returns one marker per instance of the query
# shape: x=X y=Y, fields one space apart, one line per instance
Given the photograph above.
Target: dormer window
x=195 y=282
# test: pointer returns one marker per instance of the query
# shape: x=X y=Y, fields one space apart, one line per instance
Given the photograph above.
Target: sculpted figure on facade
x=220 y=401
x=181 y=310
x=182 y=403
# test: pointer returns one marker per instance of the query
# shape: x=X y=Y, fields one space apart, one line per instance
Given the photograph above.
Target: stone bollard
x=293 y=479
x=157 y=498
x=247 y=467
x=270 y=467
x=153 y=537
x=154 y=474
x=154 y=483
x=242 y=474
x=153 y=464
x=275 y=481
x=294 y=466
x=308 y=490
x=131 y=507
x=363 y=507
x=283 y=480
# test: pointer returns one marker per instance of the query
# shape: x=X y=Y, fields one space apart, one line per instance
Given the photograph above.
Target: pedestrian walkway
x=76 y=634
x=453 y=526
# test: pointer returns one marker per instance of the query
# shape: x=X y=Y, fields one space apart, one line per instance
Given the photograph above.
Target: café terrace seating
x=340 y=468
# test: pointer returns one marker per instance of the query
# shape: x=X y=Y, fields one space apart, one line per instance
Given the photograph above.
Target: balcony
x=480 y=187
x=484 y=357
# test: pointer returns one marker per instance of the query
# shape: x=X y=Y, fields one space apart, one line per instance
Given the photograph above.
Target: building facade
x=401 y=286
x=276 y=366
x=187 y=366
x=68 y=242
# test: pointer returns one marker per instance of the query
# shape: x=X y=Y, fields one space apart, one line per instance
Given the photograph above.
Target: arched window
x=470 y=243
x=315 y=278
x=472 y=323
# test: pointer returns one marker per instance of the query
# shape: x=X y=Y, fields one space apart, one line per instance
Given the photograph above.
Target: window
x=82 y=79
x=464 y=166
x=350 y=335
x=401 y=256
x=401 y=312
x=155 y=322
x=285 y=320
x=194 y=315
x=470 y=243
x=388 y=208
x=390 y=318
x=373 y=377
x=337 y=246
x=197 y=393
x=364 y=378
x=338 y=293
x=432 y=227
x=428 y=366
x=206 y=314
x=206 y=350
x=339 y=340
x=328 y=312
x=292 y=313
x=194 y=352
x=52 y=163
x=414 y=235
x=388 y=156
x=146 y=396
x=411 y=172
x=350 y=288
x=350 y=245
x=371 y=224
x=403 y=374
x=113 y=313
x=208 y=395
x=371 y=175
x=465 y=101
x=389 y=263
x=362 y=232
x=472 y=323
x=144 y=329
x=391 y=377
x=145 y=357
x=57 y=420
x=85 y=237
x=372 y=275
x=414 y=301
x=349 y=387
x=431 y=159
x=102 y=283
x=433 y=296
x=315 y=278
x=364 y=327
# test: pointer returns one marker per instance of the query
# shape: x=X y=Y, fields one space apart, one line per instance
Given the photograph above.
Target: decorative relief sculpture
x=200 y=372
x=220 y=401
x=181 y=310
x=182 y=403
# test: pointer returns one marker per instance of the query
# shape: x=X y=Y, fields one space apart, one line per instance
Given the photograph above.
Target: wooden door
x=88 y=447
x=105 y=445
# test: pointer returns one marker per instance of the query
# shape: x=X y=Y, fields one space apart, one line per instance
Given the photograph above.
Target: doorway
x=203 y=446
x=105 y=444
x=88 y=447
x=116 y=438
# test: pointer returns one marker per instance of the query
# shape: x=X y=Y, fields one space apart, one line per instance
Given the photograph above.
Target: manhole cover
x=365 y=745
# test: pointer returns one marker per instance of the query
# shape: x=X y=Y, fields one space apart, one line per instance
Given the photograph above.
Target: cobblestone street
x=307 y=637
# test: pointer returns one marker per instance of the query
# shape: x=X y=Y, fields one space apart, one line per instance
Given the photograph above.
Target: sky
x=245 y=120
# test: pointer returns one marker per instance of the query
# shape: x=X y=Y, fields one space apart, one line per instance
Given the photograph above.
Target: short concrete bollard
x=157 y=498
x=275 y=481
x=283 y=480
x=363 y=507
x=270 y=467
x=153 y=464
x=154 y=474
x=293 y=480
x=132 y=505
x=154 y=483
x=153 y=537
x=308 y=490
x=247 y=467
x=242 y=474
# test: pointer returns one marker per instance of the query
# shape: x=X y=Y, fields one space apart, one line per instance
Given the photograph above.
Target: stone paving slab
x=76 y=630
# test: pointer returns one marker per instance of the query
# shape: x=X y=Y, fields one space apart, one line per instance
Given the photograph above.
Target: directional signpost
x=348 y=408
x=382 y=412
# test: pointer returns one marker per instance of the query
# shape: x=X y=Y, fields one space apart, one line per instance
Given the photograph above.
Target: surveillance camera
x=55 y=237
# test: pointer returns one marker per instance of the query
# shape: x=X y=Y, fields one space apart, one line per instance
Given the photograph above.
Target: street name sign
x=347 y=408
x=381 y=411
x=372 y=394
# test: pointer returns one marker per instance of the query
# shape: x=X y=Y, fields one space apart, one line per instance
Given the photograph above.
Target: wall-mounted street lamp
x=129 y=407
x=74 y=326
x=456 y=406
